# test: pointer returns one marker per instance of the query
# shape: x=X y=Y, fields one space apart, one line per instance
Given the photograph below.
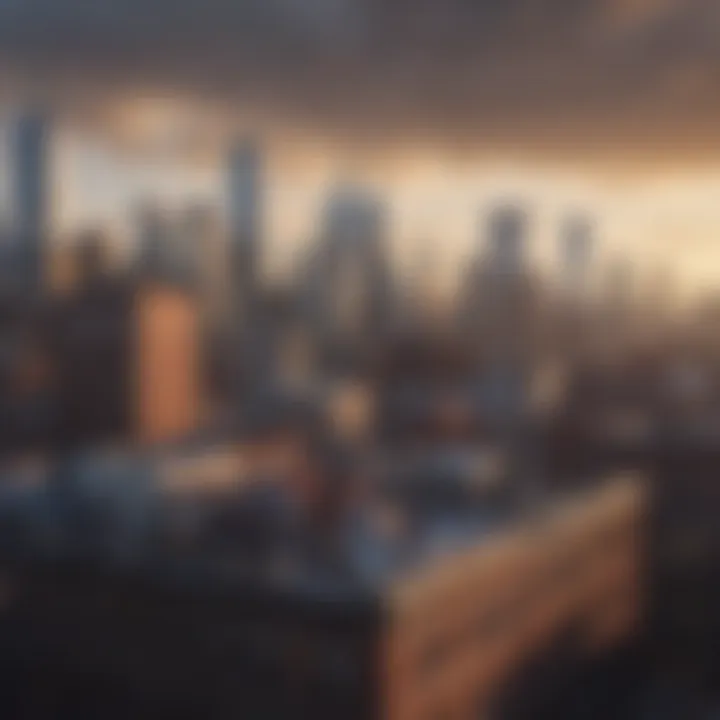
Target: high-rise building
x=577 y=243
x=31 y=194
x=126 y=363
x=499 y=312
x=154 y=241
x=244 y=256
x=618 y=310
x=191 y=230
x=574 y=329
x=506 y=242
x=501 y=297
x=496 y=272
x=202 y=260
x=619 y=279
x=417 y=301
x=353 y=297
x=245 y=220
x=244 y=187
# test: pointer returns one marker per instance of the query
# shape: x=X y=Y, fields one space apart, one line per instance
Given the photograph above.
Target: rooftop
x=216 y=518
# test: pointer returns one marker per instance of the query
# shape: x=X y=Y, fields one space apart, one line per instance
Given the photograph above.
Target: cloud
x=547 y=72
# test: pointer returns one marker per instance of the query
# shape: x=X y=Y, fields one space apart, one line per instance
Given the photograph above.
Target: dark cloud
x=549 y=72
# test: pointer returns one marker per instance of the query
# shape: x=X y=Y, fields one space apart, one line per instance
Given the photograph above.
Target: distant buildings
x=245 y=211
x=618 y=284
x=245 y=223
x=347 y=283
x=204 y=254
x=154 y=240
x=497 y=274
x=418 y=294
x=125 y=359
x=193 y=228
x=31 y=195
x=499 y=312
x=576 y=250
x=574 y=332
x=506 y=248
x=185 y=246
x=618 y=305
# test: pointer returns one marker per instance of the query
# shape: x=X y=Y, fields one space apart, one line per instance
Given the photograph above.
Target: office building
x=500 y=312
x=202 y=261
x=576 y=248
x=506 y=241
x=348 y=283
x=155 y=242
x=245 y=211
x=26 y=412
x=31 y=195
x=426 y=632
x=126 y=360
x=245 y=234
x=574 y=327
x=495 y=296
x=619 y=306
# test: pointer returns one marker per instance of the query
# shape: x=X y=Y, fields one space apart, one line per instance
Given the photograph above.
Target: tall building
x=244 y=255
x=501 y=296
x=126 y=363
x=245 y=220
x=350 y=283
x=619 y=282
x=506 y=241
x=496 y=270
x=617 y=309
x=574 y=329
x=500 y=314
x=577 y=245
x=418 y=303
x=153 y=241
x=31 y=194
x=191 y=231
x=202 y=260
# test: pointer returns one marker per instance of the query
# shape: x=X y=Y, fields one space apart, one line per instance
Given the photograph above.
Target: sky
x=603 y=106
x=554 y=75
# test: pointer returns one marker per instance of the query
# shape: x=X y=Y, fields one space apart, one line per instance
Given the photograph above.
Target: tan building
x=127 y=364
x=167 y=389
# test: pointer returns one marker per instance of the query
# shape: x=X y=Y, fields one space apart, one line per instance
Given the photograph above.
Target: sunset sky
x=608 y=107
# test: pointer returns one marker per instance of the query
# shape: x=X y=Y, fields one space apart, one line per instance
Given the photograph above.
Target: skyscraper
x=244 y=202
x=202 y=260
x=154 y=241
x=31 y=195
x=506 y=244
x=498 y=281
x=245 y=220
x=352 y=256
x=504 y=312
x=191 y=234
x=577 y=243
x=574 y=312
x=619 y=284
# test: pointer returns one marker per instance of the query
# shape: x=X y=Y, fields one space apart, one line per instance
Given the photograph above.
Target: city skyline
x=667 y=220
x=358 y=359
